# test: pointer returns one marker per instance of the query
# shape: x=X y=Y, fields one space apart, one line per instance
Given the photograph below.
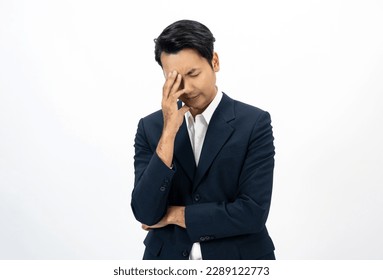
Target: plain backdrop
x=76 y=77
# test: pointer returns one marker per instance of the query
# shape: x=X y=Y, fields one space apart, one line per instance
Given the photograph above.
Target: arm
x=173 y=117
x=248 y=212
x=153 y=171
x=175 y=215
x=152 y=181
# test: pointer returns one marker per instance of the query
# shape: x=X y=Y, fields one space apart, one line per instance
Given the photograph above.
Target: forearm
x=149 y=198
x=150 y=194
x=165 y=147
x=224 y=219
x=152 y=181
x=175 y=216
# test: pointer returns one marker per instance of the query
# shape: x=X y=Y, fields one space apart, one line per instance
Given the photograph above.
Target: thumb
x=184 y=109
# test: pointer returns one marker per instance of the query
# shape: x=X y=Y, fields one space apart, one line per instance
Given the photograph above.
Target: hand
x=173 y=117
x=175 y=215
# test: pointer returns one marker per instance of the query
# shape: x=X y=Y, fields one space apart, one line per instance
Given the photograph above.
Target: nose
x=182 y=84
x=186 y=85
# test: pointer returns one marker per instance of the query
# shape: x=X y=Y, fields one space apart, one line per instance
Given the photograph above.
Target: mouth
x=192 y=97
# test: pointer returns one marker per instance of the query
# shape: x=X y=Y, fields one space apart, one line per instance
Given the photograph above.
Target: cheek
x=203 y=82
x=208 y=82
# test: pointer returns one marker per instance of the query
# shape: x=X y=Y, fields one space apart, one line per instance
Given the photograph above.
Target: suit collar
x=225 y=108
x=218 y=132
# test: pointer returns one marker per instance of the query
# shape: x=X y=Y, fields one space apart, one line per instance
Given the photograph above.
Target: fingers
x=145 y=227
x=176 y=85
x=173 y=117
x=184 y=109
x=172 y=84
x=170 y=79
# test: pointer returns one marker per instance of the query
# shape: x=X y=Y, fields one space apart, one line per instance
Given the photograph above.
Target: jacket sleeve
x=248 y=212
x=152 y=181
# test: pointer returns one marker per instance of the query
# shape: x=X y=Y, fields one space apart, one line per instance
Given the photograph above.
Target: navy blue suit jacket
x=227 y=197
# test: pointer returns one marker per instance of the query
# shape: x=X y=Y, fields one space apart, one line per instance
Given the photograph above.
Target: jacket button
x=162 y=189
x=202 y=238
x=197 y=197
x=185 y=253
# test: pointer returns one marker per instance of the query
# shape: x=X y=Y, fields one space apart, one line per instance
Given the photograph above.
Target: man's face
x=198 y=77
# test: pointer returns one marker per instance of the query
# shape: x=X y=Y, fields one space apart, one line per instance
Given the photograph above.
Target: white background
x=76 y=76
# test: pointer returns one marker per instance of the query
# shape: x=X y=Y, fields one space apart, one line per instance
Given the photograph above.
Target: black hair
x=184 y=34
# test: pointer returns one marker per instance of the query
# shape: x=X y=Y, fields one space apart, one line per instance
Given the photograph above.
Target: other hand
x=175 y=215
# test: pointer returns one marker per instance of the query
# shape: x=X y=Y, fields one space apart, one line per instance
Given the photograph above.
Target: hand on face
x=198 y=77
x=173 y=117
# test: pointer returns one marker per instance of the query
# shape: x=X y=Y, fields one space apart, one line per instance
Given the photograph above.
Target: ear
x=215 y=62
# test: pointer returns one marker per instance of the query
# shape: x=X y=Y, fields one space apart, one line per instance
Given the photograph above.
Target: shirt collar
x=209 y=111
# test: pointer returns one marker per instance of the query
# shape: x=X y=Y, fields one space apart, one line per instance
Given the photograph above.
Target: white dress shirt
x=197 y=130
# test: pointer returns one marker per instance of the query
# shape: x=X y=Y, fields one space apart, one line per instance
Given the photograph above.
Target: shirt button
x=197 y=197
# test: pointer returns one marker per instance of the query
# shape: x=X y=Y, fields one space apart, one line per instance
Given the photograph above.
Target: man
x=204 y=163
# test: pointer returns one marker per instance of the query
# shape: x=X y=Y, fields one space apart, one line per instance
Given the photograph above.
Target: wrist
x=165 y=149
x=177 y=216
x=168 y=134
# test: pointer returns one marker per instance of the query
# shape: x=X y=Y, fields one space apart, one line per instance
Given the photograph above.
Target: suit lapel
x=183 y=151
x=218 y=132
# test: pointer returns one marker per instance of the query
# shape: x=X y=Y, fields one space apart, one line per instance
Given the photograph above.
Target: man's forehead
x=181 y=70
x=182 y=56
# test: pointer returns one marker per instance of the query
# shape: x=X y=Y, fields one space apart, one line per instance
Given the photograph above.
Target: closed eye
x=193 y=72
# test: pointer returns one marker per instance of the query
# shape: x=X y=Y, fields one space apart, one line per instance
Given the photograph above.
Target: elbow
x=144 y=215
x=259 y=216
